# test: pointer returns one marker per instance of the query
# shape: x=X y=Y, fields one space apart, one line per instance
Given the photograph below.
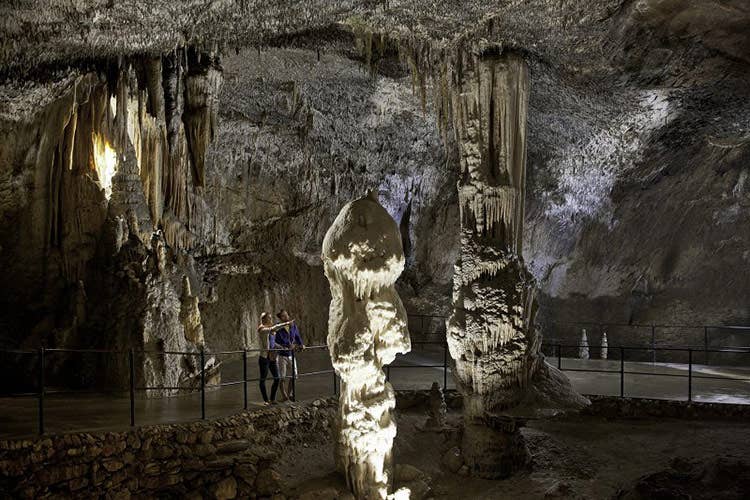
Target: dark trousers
x=265 y=366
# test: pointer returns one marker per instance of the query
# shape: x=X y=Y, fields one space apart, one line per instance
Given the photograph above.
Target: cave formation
x=170 y=170
x=363 y=257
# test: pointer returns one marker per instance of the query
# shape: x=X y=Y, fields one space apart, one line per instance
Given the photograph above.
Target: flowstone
x=363 y=257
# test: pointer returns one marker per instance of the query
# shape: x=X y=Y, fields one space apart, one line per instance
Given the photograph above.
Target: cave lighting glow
x=105 y=162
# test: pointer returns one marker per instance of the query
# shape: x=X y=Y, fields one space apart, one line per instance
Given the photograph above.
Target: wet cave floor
x=573 y=457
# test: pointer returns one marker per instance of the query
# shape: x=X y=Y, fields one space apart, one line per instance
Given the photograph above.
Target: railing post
x=333 y=370
x=705 y=344
x=203 y=384
x=244 y=378
x=559 y=357
x=421 y=324
x=445 y=366
x=622 y=372
x=293 y=394
x=41 y=390
x=690 y=375
x=653 y=344
x=131 y=368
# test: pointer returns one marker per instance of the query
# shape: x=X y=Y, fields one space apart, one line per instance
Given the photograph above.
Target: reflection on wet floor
x=416 y=370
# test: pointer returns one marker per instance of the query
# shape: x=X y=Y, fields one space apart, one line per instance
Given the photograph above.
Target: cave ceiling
x=638 y=108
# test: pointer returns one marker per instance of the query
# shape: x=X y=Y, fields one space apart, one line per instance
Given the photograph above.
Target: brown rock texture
x=225 y=458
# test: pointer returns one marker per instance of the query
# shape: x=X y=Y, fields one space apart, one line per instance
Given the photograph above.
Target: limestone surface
x=490 y=334
x=363 y=257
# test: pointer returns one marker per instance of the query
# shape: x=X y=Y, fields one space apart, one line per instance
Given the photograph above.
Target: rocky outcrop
x=363 y=257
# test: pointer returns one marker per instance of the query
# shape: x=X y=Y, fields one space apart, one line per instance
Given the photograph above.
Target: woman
x=267 y=356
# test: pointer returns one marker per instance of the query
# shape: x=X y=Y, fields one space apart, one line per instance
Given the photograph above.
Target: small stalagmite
x=363 y=256
x=583 y=347
x=190 y=314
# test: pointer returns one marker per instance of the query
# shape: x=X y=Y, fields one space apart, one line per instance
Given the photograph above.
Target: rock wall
x=222 y=459
x=228 y=191
x=301 y=134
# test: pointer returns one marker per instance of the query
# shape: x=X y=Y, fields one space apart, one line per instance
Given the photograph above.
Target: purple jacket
x=287 y=338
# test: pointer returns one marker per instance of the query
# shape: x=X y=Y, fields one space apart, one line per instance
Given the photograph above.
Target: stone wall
x=224 y=458
x=614 y=407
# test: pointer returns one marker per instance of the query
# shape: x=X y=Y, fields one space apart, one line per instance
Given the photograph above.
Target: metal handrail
x=649 y=325
x=604 y=323
x=650 y=348
x=43 y=391
x=150 y=351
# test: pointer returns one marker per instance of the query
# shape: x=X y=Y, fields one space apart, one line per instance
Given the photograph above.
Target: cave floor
x=67 y=413
x=574 y=456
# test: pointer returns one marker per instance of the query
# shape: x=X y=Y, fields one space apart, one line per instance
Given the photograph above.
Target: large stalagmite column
x=490 y=333
x=367 y=327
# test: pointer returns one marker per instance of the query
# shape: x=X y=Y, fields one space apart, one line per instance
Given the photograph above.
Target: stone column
x=367 y=327
x=491 y=333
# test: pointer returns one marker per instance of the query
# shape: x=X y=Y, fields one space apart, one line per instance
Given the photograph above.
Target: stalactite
x=202 y=87
x=112 y=166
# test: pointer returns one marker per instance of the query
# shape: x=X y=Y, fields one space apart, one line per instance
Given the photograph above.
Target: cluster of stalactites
x=128 y=143
x=73 y=159
x=173 y=101
x=491 y=209
x=481 y=94
x=489 y=111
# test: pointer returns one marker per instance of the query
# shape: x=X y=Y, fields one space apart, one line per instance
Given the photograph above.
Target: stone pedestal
x=493 y=447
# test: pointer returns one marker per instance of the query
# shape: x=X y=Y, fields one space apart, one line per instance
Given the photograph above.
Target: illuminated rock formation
x=363 y=257
x=437 y=408
x=114 y=157
x=583 y=347
x=190 y=314
x=489 y=333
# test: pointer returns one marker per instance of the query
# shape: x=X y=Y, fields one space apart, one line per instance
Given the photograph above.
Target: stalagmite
x=583 y=347
x=363 y=257
x=190 y=314
x=438 y=408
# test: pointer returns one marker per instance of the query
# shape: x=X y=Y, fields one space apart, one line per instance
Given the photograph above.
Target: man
x=287 y=338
